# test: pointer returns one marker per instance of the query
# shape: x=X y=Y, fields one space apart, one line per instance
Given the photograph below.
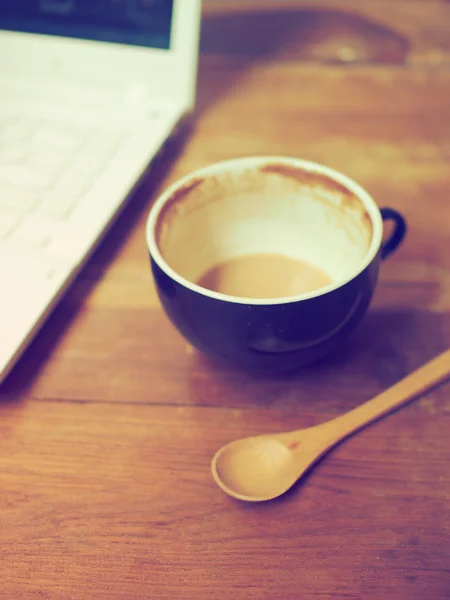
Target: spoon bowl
x=255 y=469
x=264 y=467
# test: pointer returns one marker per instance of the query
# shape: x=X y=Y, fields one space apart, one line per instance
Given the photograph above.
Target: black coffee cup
x=262 y=205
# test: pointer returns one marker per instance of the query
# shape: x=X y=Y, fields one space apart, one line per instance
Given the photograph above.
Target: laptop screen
x=136 y=22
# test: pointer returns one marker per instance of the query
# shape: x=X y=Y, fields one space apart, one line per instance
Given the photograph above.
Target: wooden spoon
x=265 y=466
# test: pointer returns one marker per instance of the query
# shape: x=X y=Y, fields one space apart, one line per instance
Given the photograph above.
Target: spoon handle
x=427 y=376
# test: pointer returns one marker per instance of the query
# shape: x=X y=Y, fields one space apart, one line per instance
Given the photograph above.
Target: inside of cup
x=270 y=209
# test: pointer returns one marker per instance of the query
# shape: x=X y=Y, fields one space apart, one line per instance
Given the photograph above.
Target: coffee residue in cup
x=264 y=276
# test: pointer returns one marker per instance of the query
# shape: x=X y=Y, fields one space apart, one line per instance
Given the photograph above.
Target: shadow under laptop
x=40 y=349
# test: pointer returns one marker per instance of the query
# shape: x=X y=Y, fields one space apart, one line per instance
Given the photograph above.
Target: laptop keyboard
x=44 y=170
x=66 y=168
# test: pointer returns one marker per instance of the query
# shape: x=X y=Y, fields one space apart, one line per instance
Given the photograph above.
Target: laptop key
x=17 y=198
x=25 y=175
x=17 y=130
x=56 y=206
x=69 y=184
x=45 y=158
x=18 y=263
x=57 y=138
x=8 y=219
x=34 y=232
x=14 y=152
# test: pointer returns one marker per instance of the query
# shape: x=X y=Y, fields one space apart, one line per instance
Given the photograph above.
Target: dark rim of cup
x=256 y=162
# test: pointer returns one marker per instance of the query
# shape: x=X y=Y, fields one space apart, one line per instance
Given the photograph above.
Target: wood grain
x=120 y=504
x=109 y=421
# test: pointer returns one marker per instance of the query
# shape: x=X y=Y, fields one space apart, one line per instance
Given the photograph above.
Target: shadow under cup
x=261 y=206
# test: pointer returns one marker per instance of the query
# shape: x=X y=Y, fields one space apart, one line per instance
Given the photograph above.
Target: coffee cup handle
x=398 y=233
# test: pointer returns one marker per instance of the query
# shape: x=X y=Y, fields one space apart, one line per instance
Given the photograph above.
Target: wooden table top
x=109 y=422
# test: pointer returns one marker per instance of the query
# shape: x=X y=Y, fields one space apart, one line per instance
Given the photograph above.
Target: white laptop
x=89 y=92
